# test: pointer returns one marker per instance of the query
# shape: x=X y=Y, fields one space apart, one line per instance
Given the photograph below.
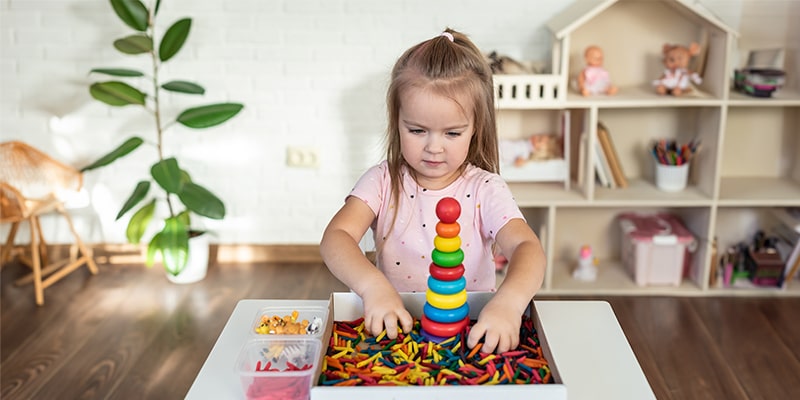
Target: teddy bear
x=676 y=77
x=594 y=79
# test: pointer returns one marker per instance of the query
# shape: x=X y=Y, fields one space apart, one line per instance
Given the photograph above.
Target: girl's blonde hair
x=454 y=68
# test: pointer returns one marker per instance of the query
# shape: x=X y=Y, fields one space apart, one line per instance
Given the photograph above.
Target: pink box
x=654 y=247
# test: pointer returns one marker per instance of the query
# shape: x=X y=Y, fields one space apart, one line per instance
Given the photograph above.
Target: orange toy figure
x=676 y=77
x=594 y=79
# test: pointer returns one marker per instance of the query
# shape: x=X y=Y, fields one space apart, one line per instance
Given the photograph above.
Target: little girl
x=441 y=142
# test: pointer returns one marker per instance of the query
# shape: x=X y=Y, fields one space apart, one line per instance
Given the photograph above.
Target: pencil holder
x=672 y=178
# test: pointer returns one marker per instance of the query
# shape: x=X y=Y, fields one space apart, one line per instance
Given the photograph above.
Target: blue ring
x=447 y=287
x=445 y=316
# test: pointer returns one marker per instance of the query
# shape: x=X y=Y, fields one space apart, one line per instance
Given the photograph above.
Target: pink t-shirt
x=404 y=254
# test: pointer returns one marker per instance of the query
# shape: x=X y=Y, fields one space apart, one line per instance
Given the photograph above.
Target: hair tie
x=448 y=35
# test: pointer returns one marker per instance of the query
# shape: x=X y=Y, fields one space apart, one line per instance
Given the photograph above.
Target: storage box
x=569 y=331
x=316 y=316
x=278 y=368
x=654 y=247
x=765 y=267
x=348 y=307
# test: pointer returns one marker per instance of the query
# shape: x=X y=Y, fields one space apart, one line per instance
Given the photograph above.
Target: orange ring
x=448 y=230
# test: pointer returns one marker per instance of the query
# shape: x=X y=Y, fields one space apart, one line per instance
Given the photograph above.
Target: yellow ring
x=446 y=301
x=447 y=245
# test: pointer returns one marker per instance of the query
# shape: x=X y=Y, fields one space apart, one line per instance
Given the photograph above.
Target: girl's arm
x=340 y=252
x=500 y=319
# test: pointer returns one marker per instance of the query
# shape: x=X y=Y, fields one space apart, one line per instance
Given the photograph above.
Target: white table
x=587 y=345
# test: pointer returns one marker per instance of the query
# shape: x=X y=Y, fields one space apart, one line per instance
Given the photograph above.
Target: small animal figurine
x=501 y=64
x=676 y=77
x=594 y=79
x=315 y=326
x=587 y=268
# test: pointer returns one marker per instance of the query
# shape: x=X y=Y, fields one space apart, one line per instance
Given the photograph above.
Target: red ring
x=443 y=330
x=446 y=273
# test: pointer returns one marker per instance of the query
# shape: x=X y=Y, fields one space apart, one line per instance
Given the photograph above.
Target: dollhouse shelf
x=748 y=163
x=528 y=91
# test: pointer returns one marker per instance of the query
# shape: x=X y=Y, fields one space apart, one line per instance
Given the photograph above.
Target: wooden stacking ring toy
x=447 y=245
x=443 y=259
x=443 y=330
x=446 y=273
x=445 y=316
x=446 y=301
x=447 y=287
x=448 y=230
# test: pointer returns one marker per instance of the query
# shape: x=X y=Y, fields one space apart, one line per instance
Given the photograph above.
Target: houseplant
x=182 y=196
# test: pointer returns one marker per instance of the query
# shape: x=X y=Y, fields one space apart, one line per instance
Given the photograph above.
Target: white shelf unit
x=749 y=161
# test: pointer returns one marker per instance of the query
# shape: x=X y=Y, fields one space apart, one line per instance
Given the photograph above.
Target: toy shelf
x=748 y=163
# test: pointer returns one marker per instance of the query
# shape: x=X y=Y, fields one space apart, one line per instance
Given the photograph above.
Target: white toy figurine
x=587 y=270
x=315 y=326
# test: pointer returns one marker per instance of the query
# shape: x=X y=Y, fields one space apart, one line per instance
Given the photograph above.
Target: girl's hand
x=499 y=323
x=383 y=308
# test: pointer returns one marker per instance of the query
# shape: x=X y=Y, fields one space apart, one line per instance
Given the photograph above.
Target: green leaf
x=184 y=87
x=173 y=40
x=132 y=12
x=122 y=150
x=158 y=6
x=152 y=248
x=201 y=202
x=124 y=72
x=138 y=194
x=174 y=243
x=168 y=175
x=184 y=216
x=116 y=93
x=210 y=115
x=185 y=177
x=134 y=44
x=139 y=221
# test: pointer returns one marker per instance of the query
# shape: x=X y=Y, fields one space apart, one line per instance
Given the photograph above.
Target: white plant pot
x=197 y=264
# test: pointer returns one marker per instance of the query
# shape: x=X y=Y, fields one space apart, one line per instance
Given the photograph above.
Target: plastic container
x=654 y=247
x=315 y=315
x=672 y=178
x=278 y=368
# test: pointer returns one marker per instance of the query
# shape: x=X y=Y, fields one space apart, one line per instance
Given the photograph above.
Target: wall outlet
x=302 y=157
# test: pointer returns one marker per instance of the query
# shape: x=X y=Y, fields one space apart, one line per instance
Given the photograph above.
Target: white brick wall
x=310 y=73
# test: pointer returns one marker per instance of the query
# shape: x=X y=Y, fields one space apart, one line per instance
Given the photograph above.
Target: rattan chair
x=30 y=185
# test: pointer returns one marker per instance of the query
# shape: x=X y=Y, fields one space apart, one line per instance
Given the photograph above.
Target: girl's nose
x=434 y=144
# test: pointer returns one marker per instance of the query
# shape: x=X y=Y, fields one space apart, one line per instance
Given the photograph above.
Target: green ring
x=443 y=259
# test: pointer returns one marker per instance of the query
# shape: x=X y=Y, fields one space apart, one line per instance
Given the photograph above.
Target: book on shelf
x=581 y=158
x=604 y=137
x=792 y=263
x=602 y=170
x=788 y=247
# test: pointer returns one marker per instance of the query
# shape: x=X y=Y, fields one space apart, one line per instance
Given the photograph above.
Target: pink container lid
x=661 y=228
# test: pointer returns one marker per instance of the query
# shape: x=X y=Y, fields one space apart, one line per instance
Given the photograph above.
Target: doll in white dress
x=594 y=79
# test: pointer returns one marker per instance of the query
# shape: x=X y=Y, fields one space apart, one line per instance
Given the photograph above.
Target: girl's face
x=435 y=134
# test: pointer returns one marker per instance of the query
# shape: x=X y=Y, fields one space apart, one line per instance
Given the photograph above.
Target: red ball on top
x=448 y=210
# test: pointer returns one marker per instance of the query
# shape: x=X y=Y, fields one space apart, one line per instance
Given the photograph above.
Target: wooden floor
x=128 y=333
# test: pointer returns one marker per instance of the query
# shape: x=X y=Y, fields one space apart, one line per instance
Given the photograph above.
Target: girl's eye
x=454 y=134
x=416 y=131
